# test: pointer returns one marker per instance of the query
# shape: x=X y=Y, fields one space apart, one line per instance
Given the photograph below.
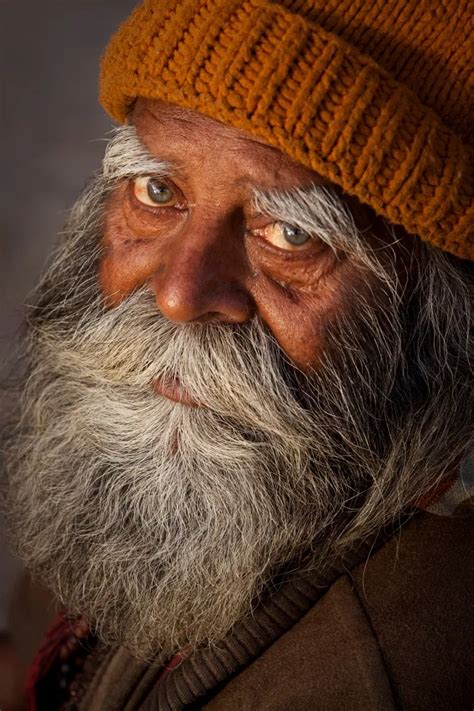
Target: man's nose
x=202 y=277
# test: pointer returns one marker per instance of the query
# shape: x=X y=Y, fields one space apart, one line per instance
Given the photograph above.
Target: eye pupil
x=159 y=192
x=294 y=235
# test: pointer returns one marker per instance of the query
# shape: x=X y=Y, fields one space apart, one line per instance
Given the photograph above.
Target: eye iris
x=159 y=192
x=295 y=235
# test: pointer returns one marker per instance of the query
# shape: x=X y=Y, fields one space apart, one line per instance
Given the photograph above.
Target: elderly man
x=247 y=410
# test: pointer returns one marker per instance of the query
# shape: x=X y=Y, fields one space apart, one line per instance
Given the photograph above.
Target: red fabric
x=46 y=655
x=170 y=665
x=436 y=494
x=56 y=636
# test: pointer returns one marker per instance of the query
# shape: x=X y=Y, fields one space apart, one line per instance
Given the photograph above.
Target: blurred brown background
x=51 y=140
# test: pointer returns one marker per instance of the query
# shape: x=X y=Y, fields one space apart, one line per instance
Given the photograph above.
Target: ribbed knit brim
x=276 y=73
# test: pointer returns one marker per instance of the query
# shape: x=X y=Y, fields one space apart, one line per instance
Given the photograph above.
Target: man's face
x=228 y=373
x=205 y=250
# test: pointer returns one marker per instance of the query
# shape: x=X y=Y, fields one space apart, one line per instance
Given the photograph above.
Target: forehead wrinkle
x=233 y=143
x=181 y=116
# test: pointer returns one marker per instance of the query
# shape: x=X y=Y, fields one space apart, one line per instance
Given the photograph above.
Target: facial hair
x=162 y=523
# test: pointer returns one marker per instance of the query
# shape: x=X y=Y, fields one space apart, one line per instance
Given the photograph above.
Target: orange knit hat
x=373 y=95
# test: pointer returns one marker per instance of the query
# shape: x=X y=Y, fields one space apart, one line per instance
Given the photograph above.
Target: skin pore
x=207 y=255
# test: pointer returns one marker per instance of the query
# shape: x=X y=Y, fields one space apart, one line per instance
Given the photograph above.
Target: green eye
x=154 y=192
x=285 y=236
x=159 y=192
x=294 y=235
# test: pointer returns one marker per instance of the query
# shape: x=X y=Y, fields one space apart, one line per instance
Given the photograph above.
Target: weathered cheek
x=301 y=334
x=297 y=320
x=117 y=269
x=120 y=274
x=130 y=253
x=298 y=302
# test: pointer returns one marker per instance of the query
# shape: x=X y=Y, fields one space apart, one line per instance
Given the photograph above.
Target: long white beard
x=159 y=522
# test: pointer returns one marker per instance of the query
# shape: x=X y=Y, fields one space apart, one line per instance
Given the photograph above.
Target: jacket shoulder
x=391 y=635
x=416 y=594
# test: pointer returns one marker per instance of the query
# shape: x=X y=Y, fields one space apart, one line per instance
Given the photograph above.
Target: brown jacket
x=396 y=632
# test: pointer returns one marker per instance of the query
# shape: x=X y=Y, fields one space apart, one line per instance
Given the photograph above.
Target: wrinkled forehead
x=193 y=142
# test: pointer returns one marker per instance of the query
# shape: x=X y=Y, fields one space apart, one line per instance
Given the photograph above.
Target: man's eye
x=154 y=192
x=284 y=235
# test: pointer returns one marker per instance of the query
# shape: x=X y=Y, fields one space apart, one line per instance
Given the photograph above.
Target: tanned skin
x=209 y=256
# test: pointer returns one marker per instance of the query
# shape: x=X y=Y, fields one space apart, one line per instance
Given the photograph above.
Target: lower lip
x=173 y=390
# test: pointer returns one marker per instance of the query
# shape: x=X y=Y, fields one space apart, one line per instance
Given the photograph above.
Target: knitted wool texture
x=374 y=95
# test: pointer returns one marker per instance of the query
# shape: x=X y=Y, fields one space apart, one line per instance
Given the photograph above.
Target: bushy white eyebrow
x=126 y=156
x=316 y=209
x=323 y=213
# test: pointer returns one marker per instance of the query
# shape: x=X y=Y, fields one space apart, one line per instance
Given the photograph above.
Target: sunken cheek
x=295 y=294
x=298 y=297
